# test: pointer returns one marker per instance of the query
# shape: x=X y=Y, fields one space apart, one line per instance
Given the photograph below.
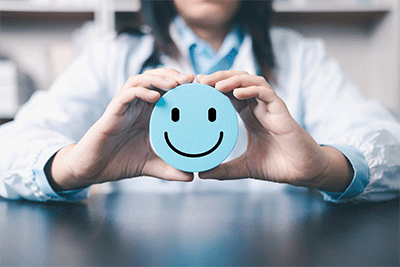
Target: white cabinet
x=363 y=35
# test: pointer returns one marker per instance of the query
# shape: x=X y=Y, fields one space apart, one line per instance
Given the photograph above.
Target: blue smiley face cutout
x=193 y=127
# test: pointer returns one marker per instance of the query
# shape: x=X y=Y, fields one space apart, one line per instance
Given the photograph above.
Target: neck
x=213 y=35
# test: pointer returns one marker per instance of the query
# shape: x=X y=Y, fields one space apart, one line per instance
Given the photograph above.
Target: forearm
x=58 y=178
x=338 y=174
x=81 y=165
x=23 y=157
x=375 y=160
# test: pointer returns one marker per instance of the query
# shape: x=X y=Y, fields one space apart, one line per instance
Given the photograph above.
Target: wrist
x=338 y=174
x=59 y=174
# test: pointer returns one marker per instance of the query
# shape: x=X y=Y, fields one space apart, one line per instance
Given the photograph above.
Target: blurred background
x=40 y=38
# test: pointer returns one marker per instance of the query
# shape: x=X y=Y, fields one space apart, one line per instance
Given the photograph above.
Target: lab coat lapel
x=245 y=60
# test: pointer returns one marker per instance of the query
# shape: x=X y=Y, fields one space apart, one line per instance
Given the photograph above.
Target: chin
x=207 y=12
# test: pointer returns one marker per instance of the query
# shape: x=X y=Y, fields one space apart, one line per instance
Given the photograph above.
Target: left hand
x=278 y=148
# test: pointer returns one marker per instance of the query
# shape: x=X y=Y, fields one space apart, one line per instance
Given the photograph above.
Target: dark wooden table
x=294 y=227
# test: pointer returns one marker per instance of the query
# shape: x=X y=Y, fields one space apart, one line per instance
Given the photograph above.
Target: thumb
x=156 y=167
x=234 y=169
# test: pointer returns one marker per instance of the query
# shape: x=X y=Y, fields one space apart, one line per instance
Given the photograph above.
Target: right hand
x=117 y=146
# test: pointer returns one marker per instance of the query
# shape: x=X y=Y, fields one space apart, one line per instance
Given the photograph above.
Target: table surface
x=293 y=227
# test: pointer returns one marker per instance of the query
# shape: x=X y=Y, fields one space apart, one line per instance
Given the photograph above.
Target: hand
x=117 y=146
x=278 y=149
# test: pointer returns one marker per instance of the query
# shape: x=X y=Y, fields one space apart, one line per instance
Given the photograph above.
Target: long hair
x=254 y=15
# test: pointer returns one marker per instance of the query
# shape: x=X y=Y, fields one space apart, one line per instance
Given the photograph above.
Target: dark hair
x=255 y=16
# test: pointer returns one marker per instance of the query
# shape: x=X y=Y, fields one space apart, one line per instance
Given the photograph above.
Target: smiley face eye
x=175 y=114
x=212 y=114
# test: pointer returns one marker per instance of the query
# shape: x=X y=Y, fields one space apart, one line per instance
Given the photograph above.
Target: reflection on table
x=293 y=227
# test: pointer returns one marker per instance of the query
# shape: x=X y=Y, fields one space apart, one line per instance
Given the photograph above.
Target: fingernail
x=220 y=83
x=168 y=79
x=199 y=76
x=152 y=94
x=182 y=75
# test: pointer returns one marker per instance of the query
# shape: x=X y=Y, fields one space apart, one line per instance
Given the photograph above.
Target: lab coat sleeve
x=49 y=121
x=336 y=114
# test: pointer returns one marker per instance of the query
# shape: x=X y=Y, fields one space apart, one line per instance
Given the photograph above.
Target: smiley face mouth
x=221 y=135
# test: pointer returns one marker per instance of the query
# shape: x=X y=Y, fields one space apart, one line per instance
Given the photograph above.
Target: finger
x=265 y=101
x=267 y=98
x=126 y=97
x=181 y=78
x=156 y=167
x=244 y=87
x=232 y=170
x=212 y=79
x=129 y=95
x=242 y=80
x=259 y=92
x=150 y=80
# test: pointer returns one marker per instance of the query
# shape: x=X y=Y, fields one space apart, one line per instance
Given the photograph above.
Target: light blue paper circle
x=187 y=133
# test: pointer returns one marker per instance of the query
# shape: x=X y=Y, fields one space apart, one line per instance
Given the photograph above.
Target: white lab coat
x=317 y=93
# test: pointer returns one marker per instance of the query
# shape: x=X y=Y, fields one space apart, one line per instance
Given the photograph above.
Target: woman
x=306 y=124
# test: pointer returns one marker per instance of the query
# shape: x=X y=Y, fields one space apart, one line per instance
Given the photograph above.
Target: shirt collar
x=203 y=56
